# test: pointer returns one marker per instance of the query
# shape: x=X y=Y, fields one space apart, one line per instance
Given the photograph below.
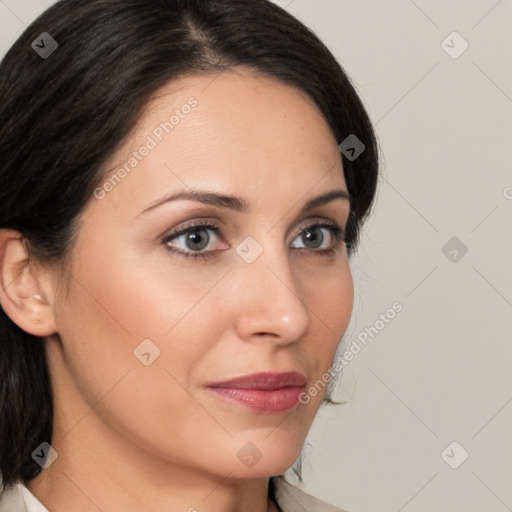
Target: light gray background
x=441 y=370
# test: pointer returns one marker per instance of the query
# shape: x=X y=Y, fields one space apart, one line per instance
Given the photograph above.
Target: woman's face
x=143 y=330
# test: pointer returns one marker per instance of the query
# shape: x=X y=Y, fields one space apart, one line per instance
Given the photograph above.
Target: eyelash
x=336 y=231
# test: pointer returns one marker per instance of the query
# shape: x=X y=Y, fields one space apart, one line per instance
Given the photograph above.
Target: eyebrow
x=237 y=204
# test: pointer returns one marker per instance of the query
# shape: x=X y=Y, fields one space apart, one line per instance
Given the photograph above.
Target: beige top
x=18 y=498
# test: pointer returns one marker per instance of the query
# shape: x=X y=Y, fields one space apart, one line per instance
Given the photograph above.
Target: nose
x=270 y=303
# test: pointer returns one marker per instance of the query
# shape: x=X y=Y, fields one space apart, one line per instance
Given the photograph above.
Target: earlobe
x=24 y=293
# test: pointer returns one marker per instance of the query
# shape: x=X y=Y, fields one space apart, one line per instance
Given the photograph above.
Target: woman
x=182 y=184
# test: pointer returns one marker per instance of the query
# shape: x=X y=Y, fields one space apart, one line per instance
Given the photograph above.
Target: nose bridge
x=272 y=303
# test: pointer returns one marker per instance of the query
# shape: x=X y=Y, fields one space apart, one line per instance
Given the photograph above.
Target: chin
x=265 y=455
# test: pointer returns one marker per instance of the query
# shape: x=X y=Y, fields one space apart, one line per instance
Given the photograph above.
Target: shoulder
x=11 y=500
x=292 y=499
x=17 y=498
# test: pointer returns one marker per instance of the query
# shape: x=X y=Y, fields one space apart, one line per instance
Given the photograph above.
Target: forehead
x=235 y=130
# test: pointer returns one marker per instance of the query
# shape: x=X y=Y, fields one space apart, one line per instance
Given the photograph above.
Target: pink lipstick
x=262 y=392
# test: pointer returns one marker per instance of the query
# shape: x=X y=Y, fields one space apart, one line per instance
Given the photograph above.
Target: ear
x=26 y=289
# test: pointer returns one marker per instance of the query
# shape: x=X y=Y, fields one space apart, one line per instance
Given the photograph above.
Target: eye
x=194 y=238
x=314 y=237
x=191 y=241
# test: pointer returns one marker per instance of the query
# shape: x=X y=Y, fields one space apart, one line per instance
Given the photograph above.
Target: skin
x=133 y=437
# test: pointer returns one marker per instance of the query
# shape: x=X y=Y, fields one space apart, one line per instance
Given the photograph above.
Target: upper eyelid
x=318 y=219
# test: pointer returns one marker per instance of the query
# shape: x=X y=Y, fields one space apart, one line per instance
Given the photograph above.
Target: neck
x=107 y=472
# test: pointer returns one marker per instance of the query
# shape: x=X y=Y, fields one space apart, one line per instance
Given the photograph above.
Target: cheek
x=330 y=299
x=331 y=306
x=108 y=312
x=337 y=298
x=120 y=308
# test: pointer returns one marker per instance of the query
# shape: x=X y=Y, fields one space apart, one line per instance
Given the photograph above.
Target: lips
x=262 y=392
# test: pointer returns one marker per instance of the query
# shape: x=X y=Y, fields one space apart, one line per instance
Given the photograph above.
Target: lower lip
x=277 y=400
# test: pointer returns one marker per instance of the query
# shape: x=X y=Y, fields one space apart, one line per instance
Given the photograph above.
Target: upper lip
x=264 y=381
